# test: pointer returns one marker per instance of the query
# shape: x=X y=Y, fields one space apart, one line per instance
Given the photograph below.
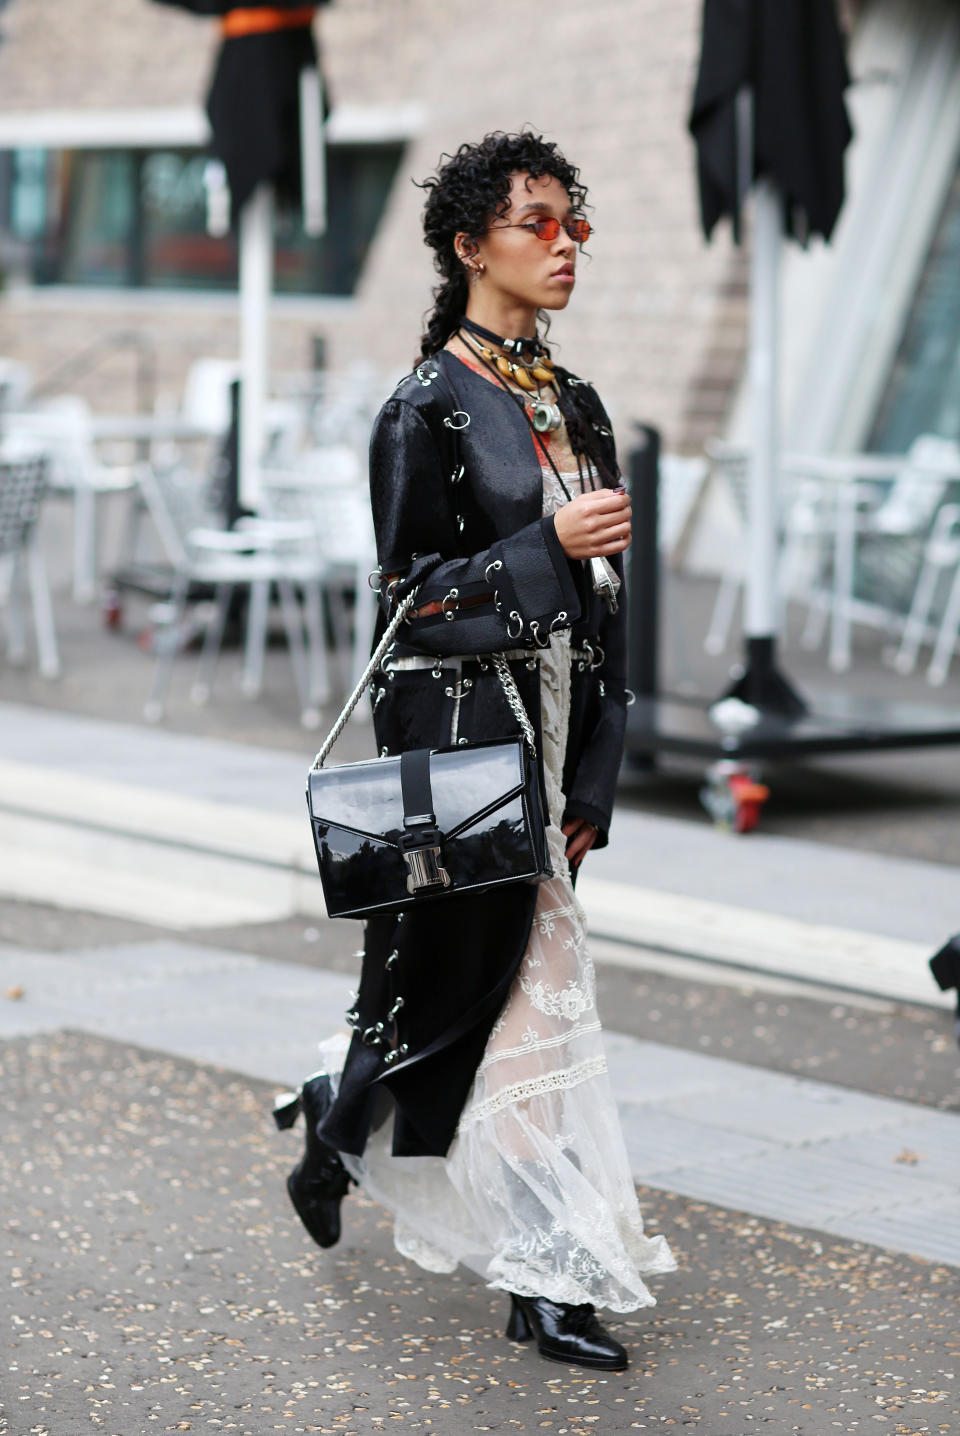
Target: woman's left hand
x=581 y=837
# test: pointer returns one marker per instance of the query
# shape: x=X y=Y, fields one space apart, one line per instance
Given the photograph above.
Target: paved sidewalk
x=160 y=1281
x=185 y=831
x=862 y=1167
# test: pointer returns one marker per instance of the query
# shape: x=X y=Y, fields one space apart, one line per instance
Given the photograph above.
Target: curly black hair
x=469 y=190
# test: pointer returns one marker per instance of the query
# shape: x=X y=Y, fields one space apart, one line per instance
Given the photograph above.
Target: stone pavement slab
x=795 y=879
x=758 y=1141
x=159 y=1281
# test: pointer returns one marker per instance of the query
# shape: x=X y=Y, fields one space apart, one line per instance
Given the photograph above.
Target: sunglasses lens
x=579 y=230
x=547 y=228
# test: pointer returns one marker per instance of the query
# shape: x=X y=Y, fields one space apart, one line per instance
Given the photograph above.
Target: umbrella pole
x=761 y=683
x=256 y=283
x=313 y=176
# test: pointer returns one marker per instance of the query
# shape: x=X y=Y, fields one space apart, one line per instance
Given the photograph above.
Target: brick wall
x=658 y=319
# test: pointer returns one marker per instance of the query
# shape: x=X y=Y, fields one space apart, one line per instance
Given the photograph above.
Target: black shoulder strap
x=452 y=421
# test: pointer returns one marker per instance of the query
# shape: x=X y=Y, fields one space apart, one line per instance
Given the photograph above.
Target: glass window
x=922 y=396
x=923 y=391
x=125 y=218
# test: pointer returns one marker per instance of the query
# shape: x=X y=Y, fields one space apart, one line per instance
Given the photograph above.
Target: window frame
x=180 y=128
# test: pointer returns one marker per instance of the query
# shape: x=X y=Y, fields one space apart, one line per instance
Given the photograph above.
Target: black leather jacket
x=458 y=515
x=457 y=497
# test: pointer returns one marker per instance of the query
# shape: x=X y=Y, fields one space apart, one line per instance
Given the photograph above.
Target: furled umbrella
x=769 y=116
x=266 y=110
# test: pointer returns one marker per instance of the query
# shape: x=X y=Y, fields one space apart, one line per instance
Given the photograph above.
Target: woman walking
x=473 y=1099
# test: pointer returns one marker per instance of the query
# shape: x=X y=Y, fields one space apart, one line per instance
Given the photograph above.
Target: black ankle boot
x=319 y=1182
x=571 y=1334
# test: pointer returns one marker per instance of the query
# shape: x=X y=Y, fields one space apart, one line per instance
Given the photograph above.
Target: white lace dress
x=535 y=1193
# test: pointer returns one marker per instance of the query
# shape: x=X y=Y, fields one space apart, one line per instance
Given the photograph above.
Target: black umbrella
x=266 y=108
x=254 y=102
x=769 y=115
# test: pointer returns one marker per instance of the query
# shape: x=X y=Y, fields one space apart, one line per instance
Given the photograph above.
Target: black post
x=642 y=659
x=644 y=559
x=229 y=461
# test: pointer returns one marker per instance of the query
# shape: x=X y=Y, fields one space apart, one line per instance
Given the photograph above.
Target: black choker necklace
x=519 y=347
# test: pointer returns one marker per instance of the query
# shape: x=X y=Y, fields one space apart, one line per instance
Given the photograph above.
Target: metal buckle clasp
x=425 y=869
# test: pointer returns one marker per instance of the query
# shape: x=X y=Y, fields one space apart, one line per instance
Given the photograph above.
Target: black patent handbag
x=393 y=832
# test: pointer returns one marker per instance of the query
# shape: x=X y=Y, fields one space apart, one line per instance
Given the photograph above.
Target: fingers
x=579 y=848
x=603 y=501
x=583 y=835
x=595 y=524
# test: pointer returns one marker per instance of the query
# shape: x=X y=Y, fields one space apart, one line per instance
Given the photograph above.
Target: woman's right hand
x=594 y=524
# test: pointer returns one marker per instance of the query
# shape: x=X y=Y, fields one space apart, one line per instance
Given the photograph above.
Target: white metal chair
x=206 y=393
x=941 y=559
x=23 y=482
x=884 y=518
x=326 y=489
x=264 y=556
x=62 y=427
x=836 y=509
x=804 y=531
x=16 y=382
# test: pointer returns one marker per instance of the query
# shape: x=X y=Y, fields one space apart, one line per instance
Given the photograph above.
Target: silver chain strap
x=507 y=682
x=512 y=694
x=376 y=658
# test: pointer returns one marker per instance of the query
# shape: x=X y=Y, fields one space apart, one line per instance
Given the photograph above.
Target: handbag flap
x=467 y=783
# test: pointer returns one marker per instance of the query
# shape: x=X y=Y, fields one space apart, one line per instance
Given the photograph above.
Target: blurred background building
x=102 y=218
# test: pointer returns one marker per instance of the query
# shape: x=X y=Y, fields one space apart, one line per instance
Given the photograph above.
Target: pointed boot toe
x=571 y=1335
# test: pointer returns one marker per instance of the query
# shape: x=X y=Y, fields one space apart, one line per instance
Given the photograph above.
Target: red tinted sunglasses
x=579 y=230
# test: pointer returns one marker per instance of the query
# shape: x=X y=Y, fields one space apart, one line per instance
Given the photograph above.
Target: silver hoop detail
x=453 y=594
x=449 y=424
x=514 y=615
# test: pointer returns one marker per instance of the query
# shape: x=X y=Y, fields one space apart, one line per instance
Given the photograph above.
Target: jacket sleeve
x=505 y=596
x=591 y=792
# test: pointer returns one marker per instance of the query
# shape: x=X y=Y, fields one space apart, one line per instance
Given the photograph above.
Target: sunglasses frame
x=534 y=226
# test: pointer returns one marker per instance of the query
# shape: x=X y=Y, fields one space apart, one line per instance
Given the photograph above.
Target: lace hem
x=415 y=1249
x=583 y=1280
x=533 y=1087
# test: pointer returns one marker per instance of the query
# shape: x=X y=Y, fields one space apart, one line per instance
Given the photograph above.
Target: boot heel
x=286 y=1110
x=518 y=1327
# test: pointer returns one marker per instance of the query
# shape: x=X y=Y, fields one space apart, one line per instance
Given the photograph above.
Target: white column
x=767 y=239
x=256 y=286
